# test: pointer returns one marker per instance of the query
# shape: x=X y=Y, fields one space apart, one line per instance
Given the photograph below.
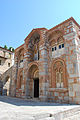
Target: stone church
x=47 y=65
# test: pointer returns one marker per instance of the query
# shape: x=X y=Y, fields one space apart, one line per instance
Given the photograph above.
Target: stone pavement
x=19 y=109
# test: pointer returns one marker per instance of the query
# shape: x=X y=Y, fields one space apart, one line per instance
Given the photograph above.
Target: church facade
x=47 y=65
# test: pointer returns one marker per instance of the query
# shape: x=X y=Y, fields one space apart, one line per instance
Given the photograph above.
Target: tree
x=5 y=46
x=11 y=49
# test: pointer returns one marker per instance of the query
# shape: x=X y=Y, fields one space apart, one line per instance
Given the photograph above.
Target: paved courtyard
x=18 y=109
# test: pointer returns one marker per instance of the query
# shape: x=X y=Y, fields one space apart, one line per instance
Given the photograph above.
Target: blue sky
x=19 y=17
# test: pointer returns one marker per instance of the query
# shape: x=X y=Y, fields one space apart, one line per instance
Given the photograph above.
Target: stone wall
x=7 y=59
x=54 y=61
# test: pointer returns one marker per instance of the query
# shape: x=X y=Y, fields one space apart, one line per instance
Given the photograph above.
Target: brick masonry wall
x=69 y=56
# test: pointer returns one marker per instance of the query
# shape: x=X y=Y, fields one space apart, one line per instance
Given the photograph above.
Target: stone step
x=41 y=116
x=64 y=115
x=76 y=116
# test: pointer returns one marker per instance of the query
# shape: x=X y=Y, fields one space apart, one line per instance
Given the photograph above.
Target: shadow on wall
x=6 y=86
x=6 y=82
x=1 y=87
x=22 y=102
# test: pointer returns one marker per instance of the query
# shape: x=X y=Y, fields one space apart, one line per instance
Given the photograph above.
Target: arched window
x=36 y=52
x=60 y=40
x=59 y=74
x=34 y=46
x=59 y=78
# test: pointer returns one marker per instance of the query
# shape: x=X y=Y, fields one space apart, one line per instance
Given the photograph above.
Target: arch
x=55 y=36
x=34 y=39
x=36 y=74
x=33 y=46
x=59 y=79
x=33 y=64
x=56 y=32
x=33 y=71
x=58 y=72
x=33 y=80
x=60 y=39
x=6 y=86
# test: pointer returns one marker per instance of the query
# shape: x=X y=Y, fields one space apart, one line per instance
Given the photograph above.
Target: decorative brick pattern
x=57 y=62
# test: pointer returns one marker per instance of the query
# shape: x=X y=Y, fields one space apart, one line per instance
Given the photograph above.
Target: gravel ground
x=19 y=109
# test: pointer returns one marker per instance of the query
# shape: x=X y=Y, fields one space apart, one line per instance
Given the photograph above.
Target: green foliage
x=5 y=46
x=11 y=49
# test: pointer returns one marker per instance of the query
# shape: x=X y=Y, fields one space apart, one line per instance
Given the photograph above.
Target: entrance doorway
x=36 y=87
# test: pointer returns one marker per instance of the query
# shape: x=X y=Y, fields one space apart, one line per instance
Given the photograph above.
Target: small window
x=0 y=62
x=62 y=45
x=52 y=49
x=59 y=46
x=8 y=64
x=55 y=48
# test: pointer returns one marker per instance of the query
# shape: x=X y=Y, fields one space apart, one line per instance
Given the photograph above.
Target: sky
x=19 y=17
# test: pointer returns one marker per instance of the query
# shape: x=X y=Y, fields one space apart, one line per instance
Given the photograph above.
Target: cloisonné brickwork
x=52 y=58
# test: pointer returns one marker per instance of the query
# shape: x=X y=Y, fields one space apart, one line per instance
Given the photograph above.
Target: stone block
x=76 y=99
x=60 y=98
x=77 y=94
x=62 y=94
x=70 y=88
x=70 y=80
x=71 y=93
x=66 y=98
x=76 y=87
x=56 y=94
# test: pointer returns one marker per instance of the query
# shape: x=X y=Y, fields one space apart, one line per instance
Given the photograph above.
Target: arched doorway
x=6 y=86
x=34 y=81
